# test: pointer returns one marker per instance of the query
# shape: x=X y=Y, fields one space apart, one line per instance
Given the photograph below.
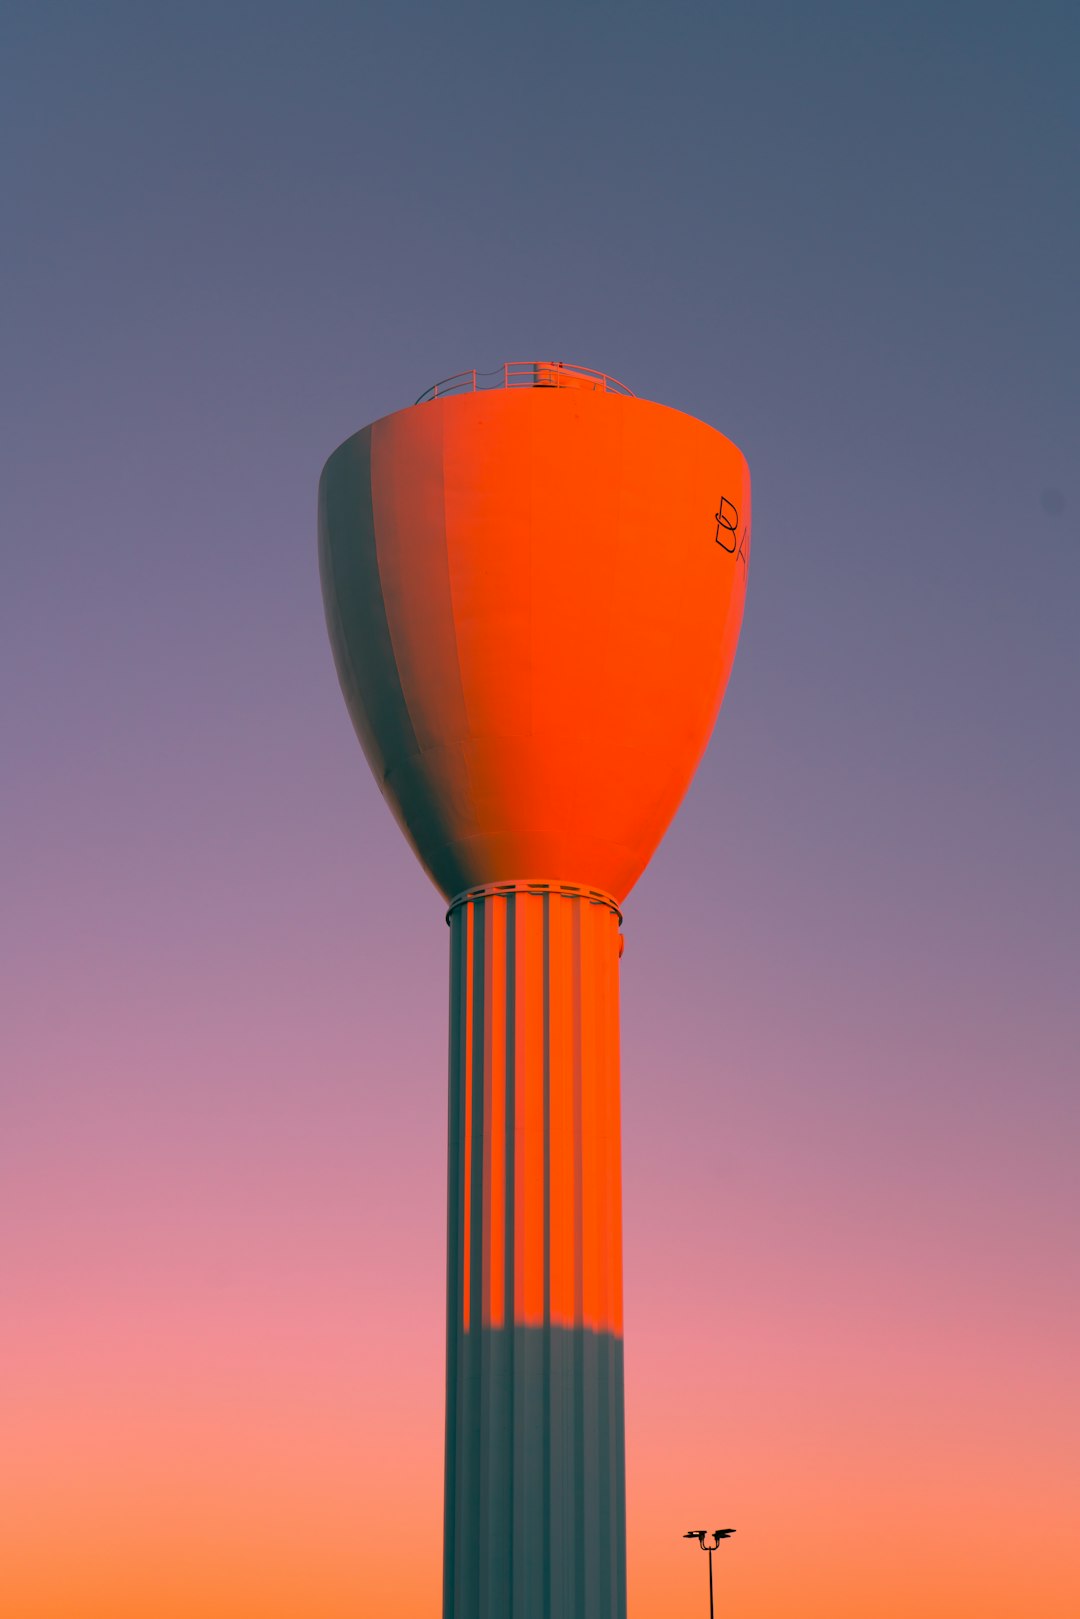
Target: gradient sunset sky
x=845 y=235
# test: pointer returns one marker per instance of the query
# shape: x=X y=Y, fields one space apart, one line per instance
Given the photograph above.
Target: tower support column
x=535 y=1493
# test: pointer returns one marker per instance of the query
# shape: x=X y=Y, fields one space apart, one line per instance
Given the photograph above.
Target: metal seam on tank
x=331 y=597
x=450 y=580
x=535 y=885
x=418 y=750
x=359 y=448
x=531 y=585
x=453 y=603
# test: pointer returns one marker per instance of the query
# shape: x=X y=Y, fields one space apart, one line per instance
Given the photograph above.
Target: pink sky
x=850 y=1024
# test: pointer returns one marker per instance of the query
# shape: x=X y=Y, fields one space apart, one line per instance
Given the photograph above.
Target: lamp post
x=718 y=1535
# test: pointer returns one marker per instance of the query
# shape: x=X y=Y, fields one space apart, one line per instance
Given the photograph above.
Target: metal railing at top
x=528 y=374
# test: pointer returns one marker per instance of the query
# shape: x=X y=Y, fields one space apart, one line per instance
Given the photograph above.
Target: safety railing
x=528 y=374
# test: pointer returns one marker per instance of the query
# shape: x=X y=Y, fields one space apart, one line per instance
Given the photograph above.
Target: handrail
x=527 y=374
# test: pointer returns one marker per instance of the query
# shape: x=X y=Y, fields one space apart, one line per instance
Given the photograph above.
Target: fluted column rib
x=535 y=1500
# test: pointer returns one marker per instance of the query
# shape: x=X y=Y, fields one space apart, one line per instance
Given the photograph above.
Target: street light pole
x=717 y=1536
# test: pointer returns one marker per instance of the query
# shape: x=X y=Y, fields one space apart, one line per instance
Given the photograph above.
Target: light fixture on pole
x=717 y=1535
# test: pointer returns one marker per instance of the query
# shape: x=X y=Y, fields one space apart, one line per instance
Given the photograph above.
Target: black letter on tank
x=727 y=523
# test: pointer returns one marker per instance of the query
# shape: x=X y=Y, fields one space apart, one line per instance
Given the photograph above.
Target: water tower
x=534 y=583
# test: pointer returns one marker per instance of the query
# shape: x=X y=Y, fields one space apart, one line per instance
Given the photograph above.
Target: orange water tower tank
x=534 y=583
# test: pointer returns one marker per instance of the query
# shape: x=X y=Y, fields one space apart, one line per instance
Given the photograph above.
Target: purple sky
x=843 y=235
